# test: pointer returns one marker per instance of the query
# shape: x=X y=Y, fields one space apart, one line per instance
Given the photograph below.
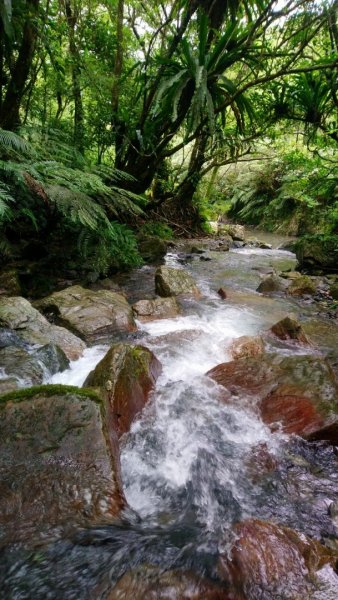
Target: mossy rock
x=318 y=252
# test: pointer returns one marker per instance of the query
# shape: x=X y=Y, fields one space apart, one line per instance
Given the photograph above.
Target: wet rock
x=9 y=283
x=21 y=365
x=59 y=464
x=152 y=583
x=222 y=293
x=289 y=246
x=301 y=286
x=124 y=377
x=289 y=329
x=18 y=315
x=205 y=258
x=152 y=248
x=159 y=308
x=317 y=252
x=246 y=346
x=92 y=315
x=297 y=393
x=265 y=246
x=272 y=283
x=10 y=338
x=269 y=561
x=52 y=357
x=174 y=282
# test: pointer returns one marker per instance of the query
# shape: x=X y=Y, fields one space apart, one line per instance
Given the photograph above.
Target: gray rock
x=18 y=315
x=174 y=282
x=159 y=308
x=271 y=284
x=94 y=316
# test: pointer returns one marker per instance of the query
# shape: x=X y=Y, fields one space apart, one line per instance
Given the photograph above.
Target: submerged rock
x=246 y=345
x=297 y=393
x=289 y=329
x=18 y=315
x=59 y=463
x=151 y=583
x=125 y=376
x=269 y=561
x=92 y=315
x=159 y=308
x=174 y=282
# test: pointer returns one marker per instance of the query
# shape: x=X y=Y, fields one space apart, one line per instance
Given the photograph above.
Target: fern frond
x=12 y=141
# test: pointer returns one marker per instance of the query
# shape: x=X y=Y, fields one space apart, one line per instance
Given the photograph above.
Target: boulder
x=334 y=291
x=26 y=323
x=289 y=329
x=152 y=583
x=271 y=284
x=297 y=393
x=30 y=368
x=174 y=282
x=159 y=308
x=318 y=252
x=269 y=561
x=302 y=286
x=246 y=346
x=152 y=248
x=236 y=232
x=59 y=463
x=94 y=316
x=124 y=377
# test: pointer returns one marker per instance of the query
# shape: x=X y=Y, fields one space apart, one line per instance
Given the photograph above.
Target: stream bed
x=193 y=465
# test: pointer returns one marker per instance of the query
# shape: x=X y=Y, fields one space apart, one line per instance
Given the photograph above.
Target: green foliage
x=158 y=229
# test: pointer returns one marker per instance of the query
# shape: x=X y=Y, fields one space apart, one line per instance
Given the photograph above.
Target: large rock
x=298 y=393
x=151 y=583
x=9 y=283
x=152 y=248
x=246 y=346
x=317 y=252
x=59 y=463
x=289 y=329
x=236 y=232
x=174 y=282
x=267 y=561
x=159 y=308
x=18 y=315
x=94 y=316
x=124 y=377
x=272 y=284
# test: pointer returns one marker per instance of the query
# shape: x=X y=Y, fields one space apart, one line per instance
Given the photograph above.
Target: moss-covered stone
x=318 y=252
x=302 y=286
x=174 y=282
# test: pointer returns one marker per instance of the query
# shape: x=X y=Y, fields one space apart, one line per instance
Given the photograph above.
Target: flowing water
x=189 y=464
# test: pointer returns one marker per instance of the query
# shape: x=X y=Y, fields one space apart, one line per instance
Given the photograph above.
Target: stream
x=187 y=463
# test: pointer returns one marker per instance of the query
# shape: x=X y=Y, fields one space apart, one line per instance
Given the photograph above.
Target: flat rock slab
x=18 y=315
x=94 y=316
x=159 y=308
x=174 y=282
x=298 y=393
x=59 y=463
x=124 y=377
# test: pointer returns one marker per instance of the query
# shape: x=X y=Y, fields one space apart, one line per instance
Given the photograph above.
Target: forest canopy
x=114 y=112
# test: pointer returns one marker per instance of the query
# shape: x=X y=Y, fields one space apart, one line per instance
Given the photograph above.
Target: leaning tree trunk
x=10 y=108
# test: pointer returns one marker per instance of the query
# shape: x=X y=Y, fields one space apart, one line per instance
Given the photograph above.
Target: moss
x=48 y=390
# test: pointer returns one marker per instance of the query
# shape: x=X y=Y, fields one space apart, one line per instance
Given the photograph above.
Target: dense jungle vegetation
x=126 y=117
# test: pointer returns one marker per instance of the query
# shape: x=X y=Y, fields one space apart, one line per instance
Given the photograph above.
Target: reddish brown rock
x=260 y=462
x=59 y=464
x=289 y=329
x=269 y=561
x=148 y=583
x=300 y=393
x=246 y=346
x=124 y=377
x=222 y=293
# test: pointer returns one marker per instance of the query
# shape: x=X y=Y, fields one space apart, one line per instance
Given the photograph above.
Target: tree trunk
x=117 y=125
x=76 y=78
x=10 y=109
